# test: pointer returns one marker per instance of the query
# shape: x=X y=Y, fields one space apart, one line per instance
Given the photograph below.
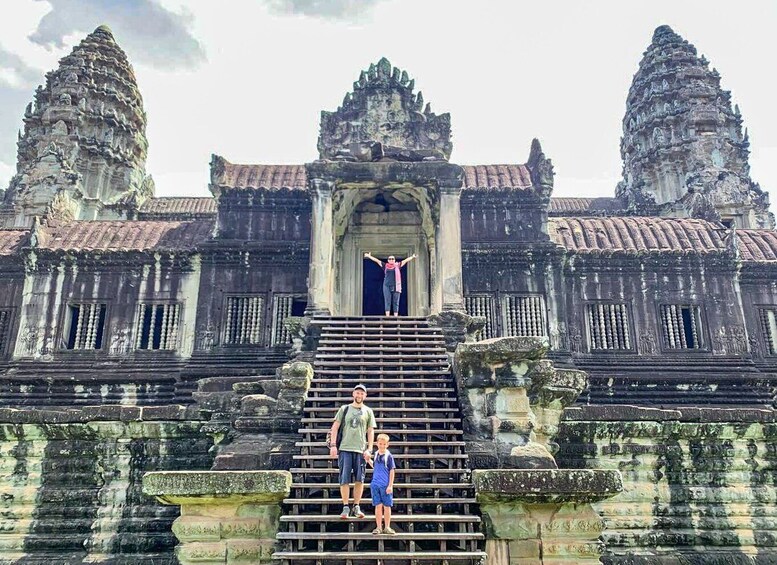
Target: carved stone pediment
x=383 y=119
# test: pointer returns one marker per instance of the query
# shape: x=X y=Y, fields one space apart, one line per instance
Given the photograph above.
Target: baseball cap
x=360 y=387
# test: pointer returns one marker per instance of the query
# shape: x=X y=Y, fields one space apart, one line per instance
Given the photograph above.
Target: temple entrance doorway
x=372 y=289
x=385 y=222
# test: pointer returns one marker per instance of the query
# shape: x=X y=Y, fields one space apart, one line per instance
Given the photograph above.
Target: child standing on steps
x=382 y=486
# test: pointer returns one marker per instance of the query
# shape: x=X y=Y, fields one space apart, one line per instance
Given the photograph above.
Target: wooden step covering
x=334 y=470
x=408 y=421
x=425 y=486
x=435 y=556
x=394 y=444
x=324 y=431
x=398 y=456
x=415 y=518
x=397 y=501
x=399 y=535
x=406 y=369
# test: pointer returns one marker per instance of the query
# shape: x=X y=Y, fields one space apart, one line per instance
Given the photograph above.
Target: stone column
x=321 y=250
x=448 y=238
x=226 y=516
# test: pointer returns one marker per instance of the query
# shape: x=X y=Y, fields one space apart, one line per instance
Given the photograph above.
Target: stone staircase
x=404 y=365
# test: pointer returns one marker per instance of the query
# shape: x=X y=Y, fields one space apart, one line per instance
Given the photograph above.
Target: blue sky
x=247 y=79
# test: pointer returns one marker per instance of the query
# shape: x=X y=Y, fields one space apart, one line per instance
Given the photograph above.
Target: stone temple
x=572 y=380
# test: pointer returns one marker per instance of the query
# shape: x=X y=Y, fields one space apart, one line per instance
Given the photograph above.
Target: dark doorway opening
x=372 y=290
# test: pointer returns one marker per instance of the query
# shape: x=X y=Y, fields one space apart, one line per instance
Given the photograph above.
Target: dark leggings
x=390 y=299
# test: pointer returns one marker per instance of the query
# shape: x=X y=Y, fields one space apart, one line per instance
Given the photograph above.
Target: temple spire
x=683 y=149
x=83 y=151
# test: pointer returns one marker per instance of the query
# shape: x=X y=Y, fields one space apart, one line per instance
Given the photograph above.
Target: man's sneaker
x=357 y=512
x=346 y=511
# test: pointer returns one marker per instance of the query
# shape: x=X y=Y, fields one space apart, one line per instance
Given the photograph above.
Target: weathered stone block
x=296 y=375
x=170 y=487
x=214 y=553
x=249 y=387
x=250 y=551
x=258 y=405
x=547 y=485
x=197 y=528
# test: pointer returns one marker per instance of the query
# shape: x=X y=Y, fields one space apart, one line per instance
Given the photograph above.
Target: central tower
x=383 y=184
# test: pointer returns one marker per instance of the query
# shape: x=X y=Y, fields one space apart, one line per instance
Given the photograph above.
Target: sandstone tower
x=683 y=149
x=83 y=151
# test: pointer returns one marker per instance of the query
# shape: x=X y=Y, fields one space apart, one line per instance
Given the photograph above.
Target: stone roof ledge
x=207 y=487
x=546 y=485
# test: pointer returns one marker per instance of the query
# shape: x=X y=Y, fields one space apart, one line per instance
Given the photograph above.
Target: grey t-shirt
x=355 y=425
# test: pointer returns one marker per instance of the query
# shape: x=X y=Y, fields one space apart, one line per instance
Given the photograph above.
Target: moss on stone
x=171 y=487
x=545 y=485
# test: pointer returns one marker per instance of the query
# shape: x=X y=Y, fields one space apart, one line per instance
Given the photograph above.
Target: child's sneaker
x=389 y=531
x=357 y=512
x=345 y=513
x=377 y=531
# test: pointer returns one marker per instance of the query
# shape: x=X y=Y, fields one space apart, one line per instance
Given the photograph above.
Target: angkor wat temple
x=142 y=333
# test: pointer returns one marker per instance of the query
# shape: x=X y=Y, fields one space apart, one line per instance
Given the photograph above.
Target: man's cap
x=360 y=387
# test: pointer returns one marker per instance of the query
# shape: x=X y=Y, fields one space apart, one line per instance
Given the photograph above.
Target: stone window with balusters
x=608 y=327
x=5 y=331
x=768 y=319
x=157 y=326
x=243 y=320
x=681 y=326
x=85 y=326
x=524 y=315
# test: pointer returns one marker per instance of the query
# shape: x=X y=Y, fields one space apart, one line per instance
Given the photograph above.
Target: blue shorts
x=379 y=496
x=351 y=464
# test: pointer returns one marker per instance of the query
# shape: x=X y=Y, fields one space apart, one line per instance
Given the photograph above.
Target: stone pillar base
x=543 y=517
x=227 y=517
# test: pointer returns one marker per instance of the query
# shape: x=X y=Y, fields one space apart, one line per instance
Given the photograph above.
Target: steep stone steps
x=405 y=367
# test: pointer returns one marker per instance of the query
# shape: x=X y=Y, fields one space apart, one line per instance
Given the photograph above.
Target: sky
x=247 y=79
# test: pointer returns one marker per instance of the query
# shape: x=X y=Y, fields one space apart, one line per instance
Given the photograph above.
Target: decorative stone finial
x=540 y=167
x=664 y=33
x=384 y=110
x=104 y=31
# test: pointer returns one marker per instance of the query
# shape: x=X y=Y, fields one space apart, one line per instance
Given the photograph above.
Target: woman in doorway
x=392 y=280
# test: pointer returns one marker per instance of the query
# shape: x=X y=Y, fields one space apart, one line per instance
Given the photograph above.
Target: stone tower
x=83 y=151
x=684 y=153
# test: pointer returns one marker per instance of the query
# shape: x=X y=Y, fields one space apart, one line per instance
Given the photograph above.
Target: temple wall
x=700 y=485
x=502 y=216
x=647 y=287
x=71 y=483
x=122 y=286
x=260 y=215
x=758 y=290
x=256 y=273
x=11 y=288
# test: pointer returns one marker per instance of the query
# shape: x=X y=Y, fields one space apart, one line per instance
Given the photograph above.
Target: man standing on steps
x=353 y=449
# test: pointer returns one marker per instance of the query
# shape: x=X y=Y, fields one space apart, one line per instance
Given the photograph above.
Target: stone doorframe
x=336 y=190
x=381 y=241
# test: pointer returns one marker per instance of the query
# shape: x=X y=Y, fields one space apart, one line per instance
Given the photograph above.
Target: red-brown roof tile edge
x=202 y=205
x=638 y=234
x=497 y=176
x=12 y=240
x=757 y=245
x=256 y=176
x=125 y=235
